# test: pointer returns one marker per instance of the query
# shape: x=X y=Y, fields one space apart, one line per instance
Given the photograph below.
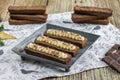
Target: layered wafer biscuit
x=27 y=9
x=29 y=17
x=98 y=21
x=83 y=18
x=21 y=22
x=104 y=12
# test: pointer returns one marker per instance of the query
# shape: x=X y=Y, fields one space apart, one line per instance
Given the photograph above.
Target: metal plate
x=19 y=49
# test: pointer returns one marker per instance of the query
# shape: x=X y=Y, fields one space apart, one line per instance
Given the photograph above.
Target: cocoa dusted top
x=47 y=50
x=57 y=43
x=65 y=34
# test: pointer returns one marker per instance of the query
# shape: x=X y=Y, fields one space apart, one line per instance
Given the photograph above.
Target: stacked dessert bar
x=92 y=15
x=57 y=45
x=27 y=14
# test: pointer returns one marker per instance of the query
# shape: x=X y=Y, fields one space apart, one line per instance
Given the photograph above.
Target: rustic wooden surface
x=57 y=6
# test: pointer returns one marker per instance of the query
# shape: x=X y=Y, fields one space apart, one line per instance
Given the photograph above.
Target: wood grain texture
x=4 y=4
x=57 y=6
x=39 y=2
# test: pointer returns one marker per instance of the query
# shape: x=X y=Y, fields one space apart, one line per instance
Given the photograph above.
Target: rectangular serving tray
x=19 y=49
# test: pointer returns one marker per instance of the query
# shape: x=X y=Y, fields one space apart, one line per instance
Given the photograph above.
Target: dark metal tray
x=19 y=49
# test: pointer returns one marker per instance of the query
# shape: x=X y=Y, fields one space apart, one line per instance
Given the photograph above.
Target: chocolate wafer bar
x=104 y=12
x=116 y=56
x=29 y=17
x=71 y=37
x=112 y=57
x=114 y=49
x=83 y=18
x=48 y=53
x=57 y=44
x=112 y=62
x=21 y=22
x=99 y=21
x=27 y=9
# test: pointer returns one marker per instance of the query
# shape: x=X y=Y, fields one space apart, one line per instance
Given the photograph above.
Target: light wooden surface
x=57 y=6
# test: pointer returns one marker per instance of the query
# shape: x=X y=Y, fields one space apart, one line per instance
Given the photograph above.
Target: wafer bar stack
x=92 y=15
x=27 y=14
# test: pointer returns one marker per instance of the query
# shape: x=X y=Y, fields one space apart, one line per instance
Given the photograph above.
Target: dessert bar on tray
x=55 y=46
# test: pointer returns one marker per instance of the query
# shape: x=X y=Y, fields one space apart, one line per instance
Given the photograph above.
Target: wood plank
x=90 y=75
x=66 y=5
x=39 y=2
x=84 y=75
x=96 y=74
x=106 y=73
x=20 y=3
x=58 y=6
x=4 y=4
x=52 y=4
x=116 y=10
x=23 y=2
x=115 y=7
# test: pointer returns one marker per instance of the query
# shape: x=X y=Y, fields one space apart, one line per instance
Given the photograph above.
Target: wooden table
x=57 y=6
